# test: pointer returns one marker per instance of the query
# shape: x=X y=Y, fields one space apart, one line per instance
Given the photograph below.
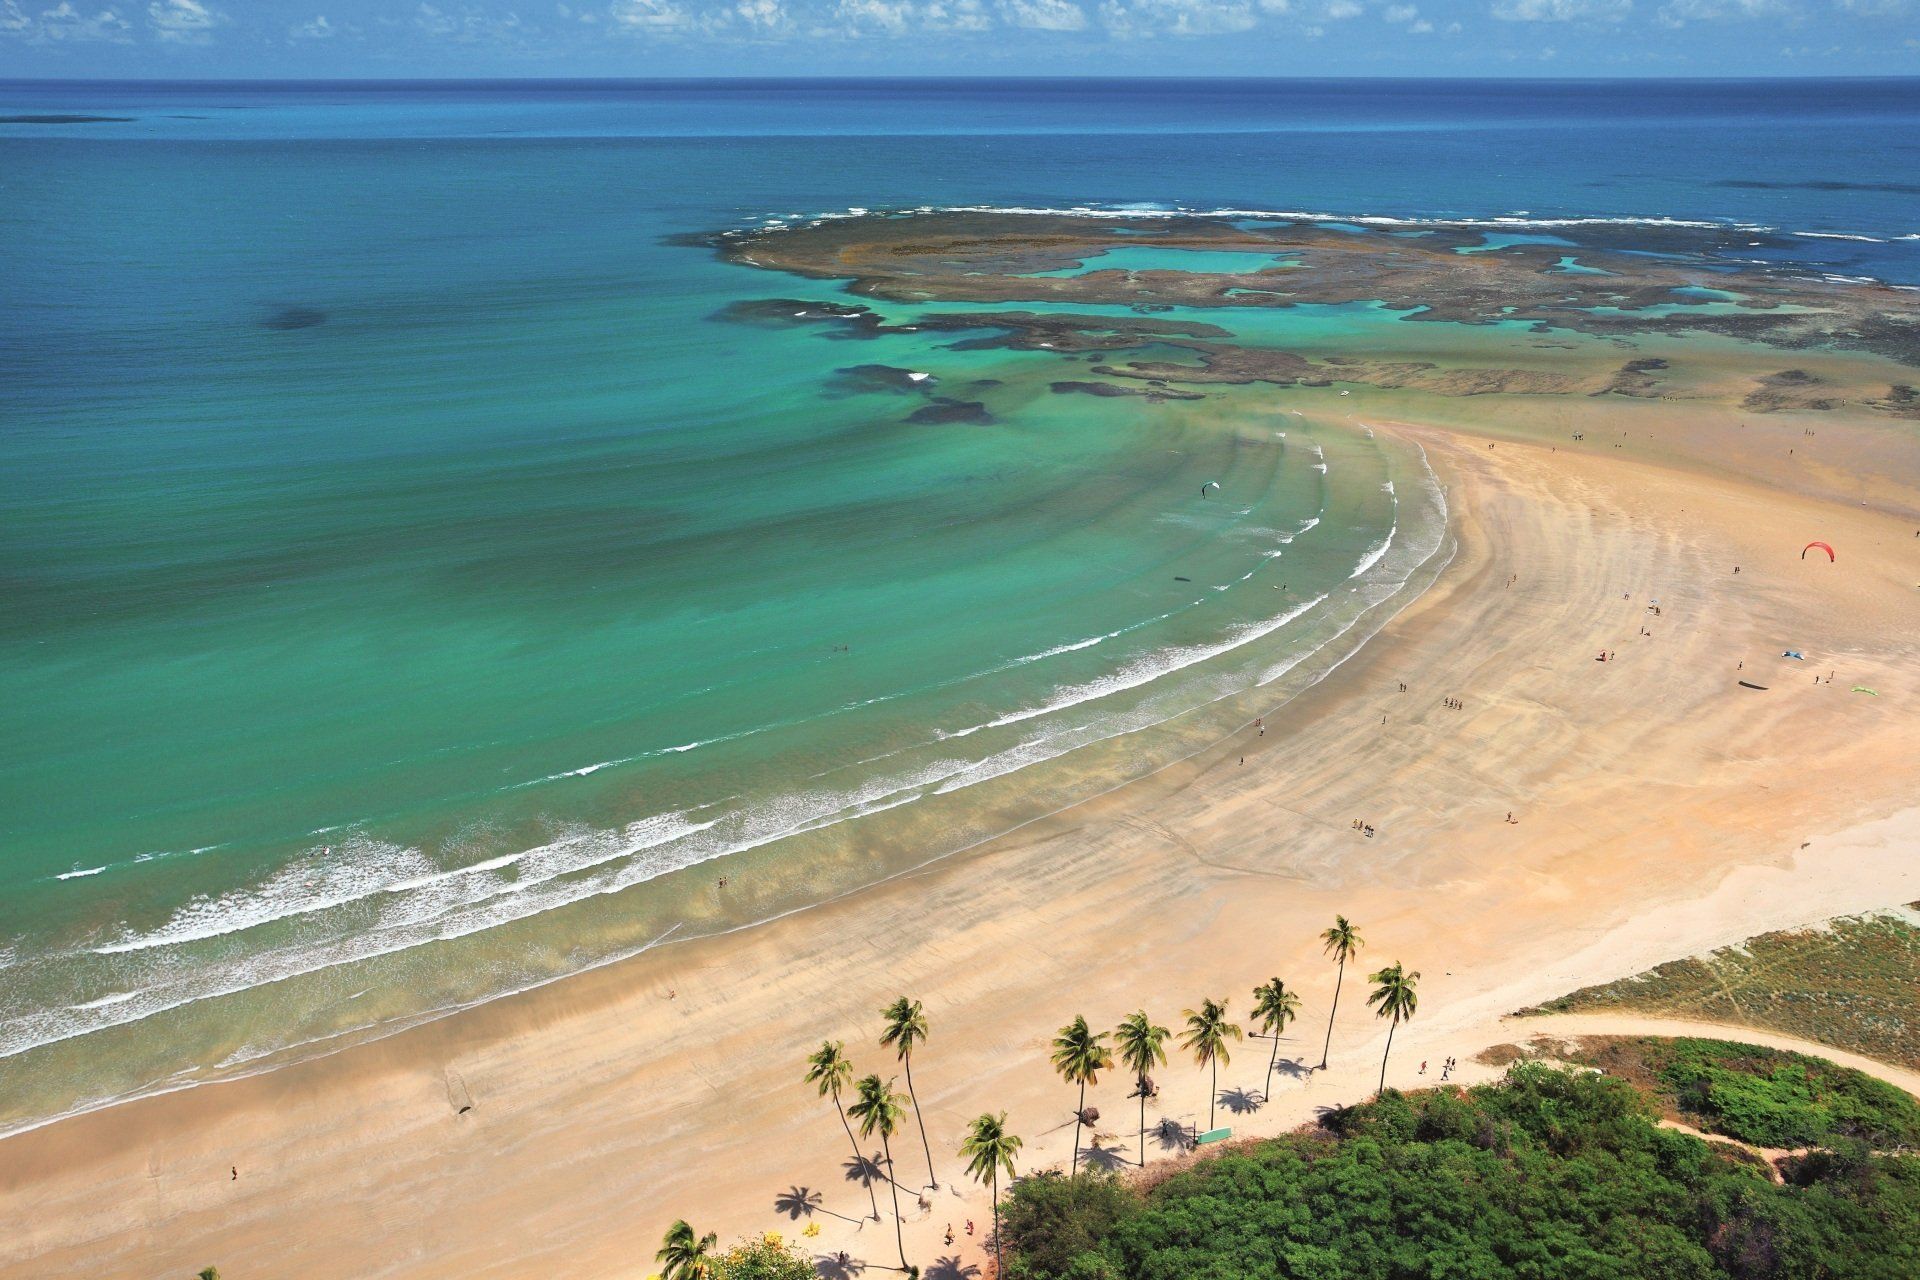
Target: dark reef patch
x=985 y=257
x=294 y=318
x=1755 y=184
x=945 y=410
x=61 y=119
x=868 y=379
x=1789 y=389
x=1153 y=392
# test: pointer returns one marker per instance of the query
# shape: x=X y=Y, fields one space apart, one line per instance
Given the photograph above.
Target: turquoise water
x=1495 y=240
x=1572 y=266
x=1150 y=258
x=416 y=592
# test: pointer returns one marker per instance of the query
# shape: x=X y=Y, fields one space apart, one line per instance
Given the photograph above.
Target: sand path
x=1661 y=809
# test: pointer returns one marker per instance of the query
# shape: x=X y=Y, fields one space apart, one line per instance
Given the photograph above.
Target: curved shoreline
x=1321 y=661
x=592 y=1096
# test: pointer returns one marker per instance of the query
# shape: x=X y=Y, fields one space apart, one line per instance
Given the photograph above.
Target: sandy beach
x=1658 y=808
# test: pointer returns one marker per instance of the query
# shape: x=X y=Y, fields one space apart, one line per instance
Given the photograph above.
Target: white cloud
x=318 y=29
x=1561 y=10
x=64 y=22
x=1680 y=12
x=899 y=17
x=1400 y=13
x=1875 y=9
x=646 y=15
x=1177 y=17
x=183 y=21
x=1044 y=15
x=1422 y=27
x=1340 y=10
x=468 y=25
x=763 y=16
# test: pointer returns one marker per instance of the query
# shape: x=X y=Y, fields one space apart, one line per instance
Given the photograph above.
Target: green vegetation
x=1766 y=1097
x=1206 y=1038
x=1395 y=995
x=989 y=1148
x=1080 y=1054
x=907 y=1027
x=829 y=1071
x=685 y=1256
x=763 y=1258
x=1273 y=1008
x=1343 y=942
x=1555 y=1173
x=1854 y=984
x=1142 y=1044
x=879 y=1111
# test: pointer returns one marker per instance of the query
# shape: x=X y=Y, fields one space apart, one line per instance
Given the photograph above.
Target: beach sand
x=1661 y=809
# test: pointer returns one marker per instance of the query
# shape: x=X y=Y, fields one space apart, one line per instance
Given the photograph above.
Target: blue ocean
x=417 y=589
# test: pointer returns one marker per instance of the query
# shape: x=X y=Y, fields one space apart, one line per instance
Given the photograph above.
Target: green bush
x=1776 y=1099
x=1551 y=1175
x=1050 y=1222
x=763 y=1258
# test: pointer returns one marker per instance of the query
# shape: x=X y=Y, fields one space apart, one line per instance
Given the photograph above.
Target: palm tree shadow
x=838 y=1266
x=1293 y=1068
x=803 y=1202
x=864 y=1170
x=1174 y=1136
x=952 y=1269
x=1107 y=1159
x=1241 y=1102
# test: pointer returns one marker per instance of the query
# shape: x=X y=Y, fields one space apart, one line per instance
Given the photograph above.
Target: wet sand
x=1661 y=809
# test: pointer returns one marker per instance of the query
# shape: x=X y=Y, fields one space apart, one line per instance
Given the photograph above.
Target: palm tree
x=1080 y=1054
x=1141 y=1045
x=683 y=1257
x=1395 y=995
x=1273 y=1008
x=906 y=1027
x=208 y=1273
x=1343 y=943
x=988 y=1148
x=830 y=1072
x=1207 y=1034
x=879 y=1111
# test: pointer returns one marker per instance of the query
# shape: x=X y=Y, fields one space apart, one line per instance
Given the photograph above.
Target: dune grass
x=1853 y=984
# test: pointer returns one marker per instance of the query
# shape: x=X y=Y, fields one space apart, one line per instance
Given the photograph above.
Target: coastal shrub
x=1776 y=1099
x=1553 y=1174
x=763 y=1258
x=1048 y=1222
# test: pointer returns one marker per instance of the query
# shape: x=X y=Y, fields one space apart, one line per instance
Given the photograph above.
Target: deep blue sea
x=413 y=592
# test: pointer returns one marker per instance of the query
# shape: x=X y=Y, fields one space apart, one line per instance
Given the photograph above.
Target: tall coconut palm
x=1207 y=1034
x=683 y=1256
x=1395 y=995
x=829 y=1071
x=878 y=1110
x=1141 y=1045
x=1343 y=943
x=988 y=1149
x=1080 y=1054
x=1273 y=1008
x=906 y=1027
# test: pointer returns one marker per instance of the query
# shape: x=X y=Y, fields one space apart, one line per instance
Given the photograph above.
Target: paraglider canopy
x=1823 y=546
x=1211 y=484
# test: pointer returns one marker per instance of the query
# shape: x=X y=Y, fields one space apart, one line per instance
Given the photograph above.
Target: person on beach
x=969 y=1226
x=1423 y=1066
x=949 y=1234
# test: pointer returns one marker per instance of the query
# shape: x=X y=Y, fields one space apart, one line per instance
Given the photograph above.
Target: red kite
x=1823 y=546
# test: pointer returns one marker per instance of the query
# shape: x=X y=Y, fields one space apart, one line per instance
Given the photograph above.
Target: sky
x=270 y=39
